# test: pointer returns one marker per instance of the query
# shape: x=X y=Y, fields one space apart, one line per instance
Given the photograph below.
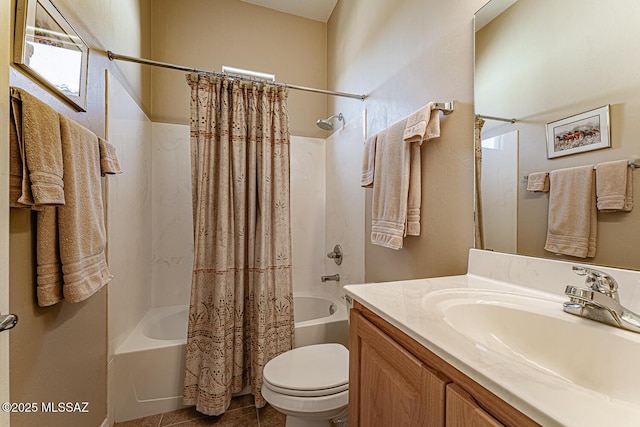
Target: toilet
x=310 y=385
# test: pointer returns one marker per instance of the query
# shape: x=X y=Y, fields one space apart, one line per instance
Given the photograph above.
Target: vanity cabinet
x=463 y=411
x=396 y=381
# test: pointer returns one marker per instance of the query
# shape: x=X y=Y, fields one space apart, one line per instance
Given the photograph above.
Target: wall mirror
x=539 y=61
x=47 y=47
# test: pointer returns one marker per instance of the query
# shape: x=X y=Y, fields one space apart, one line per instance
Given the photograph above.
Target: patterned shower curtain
x=479 y=229
x=241 y=309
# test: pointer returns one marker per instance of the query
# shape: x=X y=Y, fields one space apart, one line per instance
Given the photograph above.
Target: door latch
x=8 y=321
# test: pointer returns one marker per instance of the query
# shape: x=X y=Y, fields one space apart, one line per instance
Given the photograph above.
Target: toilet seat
x=310 y=371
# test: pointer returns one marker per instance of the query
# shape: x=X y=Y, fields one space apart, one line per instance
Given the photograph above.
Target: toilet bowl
x=310 y=385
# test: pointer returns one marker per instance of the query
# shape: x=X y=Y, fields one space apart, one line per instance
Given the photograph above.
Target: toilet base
x=300 y=422
x=338 y=421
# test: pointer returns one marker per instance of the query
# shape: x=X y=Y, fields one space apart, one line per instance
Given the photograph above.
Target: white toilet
x=310 y=385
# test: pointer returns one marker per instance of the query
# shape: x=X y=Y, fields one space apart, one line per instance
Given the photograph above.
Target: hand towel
x=572 y=222
x=614 y=186
x=72 y=238
x=421 y=126
x=538 y=182
x=109 y=163
x=390 y=187
x=43 y=151
x=368 y=162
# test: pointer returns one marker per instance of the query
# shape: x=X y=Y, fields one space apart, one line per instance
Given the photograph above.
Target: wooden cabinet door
x=463 y=411
x=388 y=386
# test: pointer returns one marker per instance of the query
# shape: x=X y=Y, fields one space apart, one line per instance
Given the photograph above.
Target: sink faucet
x=599 y=301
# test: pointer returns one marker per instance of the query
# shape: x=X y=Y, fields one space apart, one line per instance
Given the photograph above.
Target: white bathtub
x=149 y=365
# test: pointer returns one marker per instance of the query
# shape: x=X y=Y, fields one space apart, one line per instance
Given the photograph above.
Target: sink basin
x=534 y=331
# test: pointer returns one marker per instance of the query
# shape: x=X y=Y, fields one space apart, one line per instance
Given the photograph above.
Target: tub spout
x=333 y=277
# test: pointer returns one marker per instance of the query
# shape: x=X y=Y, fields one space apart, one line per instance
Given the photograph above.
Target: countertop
x=537 y=391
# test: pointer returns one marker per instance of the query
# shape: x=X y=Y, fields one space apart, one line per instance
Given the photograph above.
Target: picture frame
x=579 y=133
x=48 y=48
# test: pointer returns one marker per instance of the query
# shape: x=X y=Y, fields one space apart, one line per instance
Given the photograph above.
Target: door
x=5 y=41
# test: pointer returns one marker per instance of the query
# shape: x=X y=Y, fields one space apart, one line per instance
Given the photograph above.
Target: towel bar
x=446 y=107
x=633 y=163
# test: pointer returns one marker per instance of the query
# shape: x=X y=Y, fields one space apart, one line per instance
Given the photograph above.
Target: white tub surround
x=317 y=322
x=149 y=365
x=540 y=392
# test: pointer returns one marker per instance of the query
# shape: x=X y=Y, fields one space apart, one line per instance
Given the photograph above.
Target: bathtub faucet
x=333 y=277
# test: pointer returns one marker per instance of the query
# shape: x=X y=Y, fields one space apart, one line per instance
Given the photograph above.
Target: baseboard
x=105 y=423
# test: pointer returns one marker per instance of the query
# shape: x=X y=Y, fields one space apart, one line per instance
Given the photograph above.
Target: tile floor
x=241 y=413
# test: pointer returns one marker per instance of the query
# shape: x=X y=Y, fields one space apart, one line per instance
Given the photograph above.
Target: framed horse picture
x=576 y=134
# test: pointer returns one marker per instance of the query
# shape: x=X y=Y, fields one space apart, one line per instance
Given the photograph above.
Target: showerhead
x=326 y=123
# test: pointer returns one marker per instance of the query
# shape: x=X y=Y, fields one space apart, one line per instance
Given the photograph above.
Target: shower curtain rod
x=114 y=56
x=500 y=119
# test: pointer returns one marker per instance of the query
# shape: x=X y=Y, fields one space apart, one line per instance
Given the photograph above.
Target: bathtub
x=149 y=365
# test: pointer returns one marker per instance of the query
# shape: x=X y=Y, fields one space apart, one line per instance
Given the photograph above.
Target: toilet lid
x=316 y=370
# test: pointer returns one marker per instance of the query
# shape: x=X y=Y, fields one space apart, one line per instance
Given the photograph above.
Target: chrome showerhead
x=326 y=123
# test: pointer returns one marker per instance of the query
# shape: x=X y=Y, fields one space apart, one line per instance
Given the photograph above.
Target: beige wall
x=533 y=67
x=403 y=55
x=209 y=34
x=59 y=353
x=5 y=18
x=121 y=26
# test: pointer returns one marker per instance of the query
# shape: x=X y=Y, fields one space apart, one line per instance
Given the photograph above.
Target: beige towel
x=43 y=152
x=390 y=187
x=538 y=182
x=109 y=163
x=16 y=160
x=368 y=162
x=49 y=267
x=414 y=202
x=76 y=229
x=572 y=223
x=421 y=126
x=614 y=186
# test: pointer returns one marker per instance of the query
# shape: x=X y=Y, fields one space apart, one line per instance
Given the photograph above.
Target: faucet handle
x=336 y=254
x=598 y=281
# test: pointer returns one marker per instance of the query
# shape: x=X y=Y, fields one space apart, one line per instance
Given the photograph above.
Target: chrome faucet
x=599 y=301
x=333 y=277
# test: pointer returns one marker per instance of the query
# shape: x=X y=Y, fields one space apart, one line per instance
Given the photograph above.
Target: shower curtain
x=479 y=229
x=241 y=309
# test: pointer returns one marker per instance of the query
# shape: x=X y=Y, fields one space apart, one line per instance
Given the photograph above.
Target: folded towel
x=390 y=187
x=538 y=182
x=72 y=238
x=414 y=202
x=572 y=222
x=16 y=160
x=397 y=180
x=43 y=151
x=422 y=125
x=109 y=163
x=614 y=186
x=368 y=162
x=49 y=267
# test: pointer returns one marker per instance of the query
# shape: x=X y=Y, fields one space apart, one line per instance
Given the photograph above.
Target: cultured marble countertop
x=536 y=391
